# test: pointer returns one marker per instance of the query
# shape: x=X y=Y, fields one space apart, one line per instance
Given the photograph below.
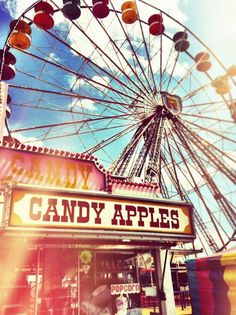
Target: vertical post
x=162 y=262
x=157 y=278
x=78 y=283
x=3 y=107
x=37 y=284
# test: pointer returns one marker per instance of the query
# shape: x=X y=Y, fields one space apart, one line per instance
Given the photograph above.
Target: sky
x=211 y=21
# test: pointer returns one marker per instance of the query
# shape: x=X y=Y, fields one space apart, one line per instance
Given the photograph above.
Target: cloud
x=16 y=8
x=27 y=140
x=83 y=104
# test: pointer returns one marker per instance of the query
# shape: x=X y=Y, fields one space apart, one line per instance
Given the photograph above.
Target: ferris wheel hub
x=172 y=103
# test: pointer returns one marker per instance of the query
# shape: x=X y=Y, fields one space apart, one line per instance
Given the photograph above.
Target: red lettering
x=101 y=207
x=131 y=212
x=152 y=223
x=143 y=213
x=83 y=216
x=68 y=211
x=175 y=219
x=113 y=287
x=164 y=220
x=51 y=210
x=117 y=214
x=35 y=214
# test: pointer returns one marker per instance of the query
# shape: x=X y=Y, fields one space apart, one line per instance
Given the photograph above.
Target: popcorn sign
x=127 y=288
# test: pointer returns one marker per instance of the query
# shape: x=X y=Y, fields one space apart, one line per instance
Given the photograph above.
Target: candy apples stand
x=74 y=239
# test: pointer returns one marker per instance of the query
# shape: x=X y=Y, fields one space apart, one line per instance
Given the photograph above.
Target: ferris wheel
x=128 y=83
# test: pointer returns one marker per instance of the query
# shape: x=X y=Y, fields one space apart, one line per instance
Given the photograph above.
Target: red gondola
x=100 y=8
x=43 y=15
x=180 y=40
x=8 y=69
x=71 y=9
x=156 y=26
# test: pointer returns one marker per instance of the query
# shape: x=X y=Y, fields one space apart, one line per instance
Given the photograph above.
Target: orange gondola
x=20 y=36
x=203 y=61
x=231 y=72
x=129 y=12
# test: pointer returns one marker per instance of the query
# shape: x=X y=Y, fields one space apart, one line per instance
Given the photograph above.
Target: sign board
x=33 y=168
x=99 y=213
x=3 y=106
x=125 y=288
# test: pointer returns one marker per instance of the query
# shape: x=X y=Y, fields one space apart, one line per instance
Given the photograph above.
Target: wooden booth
x=75 y=240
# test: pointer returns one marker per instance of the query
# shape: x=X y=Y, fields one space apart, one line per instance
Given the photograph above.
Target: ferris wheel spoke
x=171 y=76
x=72 y=95
x=187 y=74
x=78 y=132
x=70 y=123
x=49 y=107
x=119 y=166
x=182 y=192
x=104 y=54
x=82 y=77
x=209 y=151
x=110 y=140
x=212 y=108
x=208 y=112
x=222 y=202
x=170 y=169
x=196 y=91
x=91 y=63
x=216 y=133
x=148 y=59
x=197 y=190
x=148 y=89
x=173 y=174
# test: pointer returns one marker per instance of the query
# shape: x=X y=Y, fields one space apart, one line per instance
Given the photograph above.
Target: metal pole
x=3 y=107
x=37 y=284
x=155 y=253
x=164 y=270
x=78 y=283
